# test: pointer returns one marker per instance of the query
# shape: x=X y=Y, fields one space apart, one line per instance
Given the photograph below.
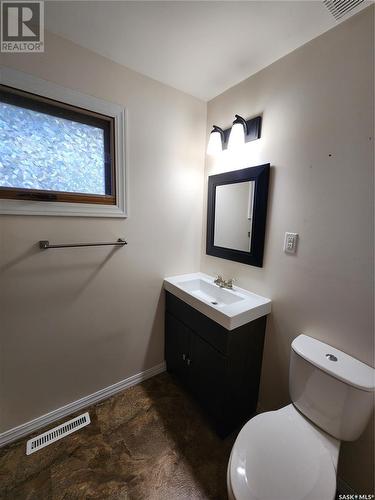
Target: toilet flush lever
x=331 y=357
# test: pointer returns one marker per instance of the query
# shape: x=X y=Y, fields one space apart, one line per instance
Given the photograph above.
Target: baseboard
x=33 y=425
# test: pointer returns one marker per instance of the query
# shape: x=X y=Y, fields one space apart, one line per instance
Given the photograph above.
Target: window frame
x=84 y=108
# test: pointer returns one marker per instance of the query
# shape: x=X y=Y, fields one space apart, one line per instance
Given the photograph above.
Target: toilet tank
x=331 y=388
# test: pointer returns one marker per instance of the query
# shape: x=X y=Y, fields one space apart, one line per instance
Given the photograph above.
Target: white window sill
x=24 y=207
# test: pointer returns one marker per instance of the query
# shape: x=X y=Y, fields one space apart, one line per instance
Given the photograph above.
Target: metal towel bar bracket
x=45 y=244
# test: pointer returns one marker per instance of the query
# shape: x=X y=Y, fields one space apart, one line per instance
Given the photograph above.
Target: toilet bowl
x=280 y=455
x=292 y=453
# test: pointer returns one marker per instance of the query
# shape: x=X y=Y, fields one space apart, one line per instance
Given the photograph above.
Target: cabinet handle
x=183 y=357
x=188 y=362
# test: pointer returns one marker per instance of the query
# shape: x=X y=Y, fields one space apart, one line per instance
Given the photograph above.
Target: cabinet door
x=176 y=347
x=207 y=376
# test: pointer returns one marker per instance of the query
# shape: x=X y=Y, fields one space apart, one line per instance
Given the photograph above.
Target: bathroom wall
x=317 y=107
x=75 y=321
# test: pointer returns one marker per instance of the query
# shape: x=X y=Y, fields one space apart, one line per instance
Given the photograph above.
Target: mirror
x=233 y=215
x=236 y=217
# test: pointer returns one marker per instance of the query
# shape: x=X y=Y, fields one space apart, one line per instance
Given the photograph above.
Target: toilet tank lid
x=336 y=363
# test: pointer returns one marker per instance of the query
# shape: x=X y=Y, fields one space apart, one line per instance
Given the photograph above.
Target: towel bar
x=45 y=244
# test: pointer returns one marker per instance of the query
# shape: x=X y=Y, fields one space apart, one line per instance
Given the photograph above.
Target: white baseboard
x=31 y=426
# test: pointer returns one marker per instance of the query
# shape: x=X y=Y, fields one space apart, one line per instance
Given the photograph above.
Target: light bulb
x=215 y=144
x=236 y=137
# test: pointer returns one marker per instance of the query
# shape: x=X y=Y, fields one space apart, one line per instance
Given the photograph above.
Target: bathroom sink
x=229 y=308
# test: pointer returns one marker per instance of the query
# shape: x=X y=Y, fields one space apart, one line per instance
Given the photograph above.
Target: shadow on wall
x=29 y=252
x=273 y=370
x=354 y=468
x=154 y=354
x=18 y=267
x=270 y=210
x=35 y=252
x=96 y=271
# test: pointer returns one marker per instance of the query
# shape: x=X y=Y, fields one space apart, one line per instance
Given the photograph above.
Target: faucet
x=229 y=283
x=222 y=283
x=219 y=281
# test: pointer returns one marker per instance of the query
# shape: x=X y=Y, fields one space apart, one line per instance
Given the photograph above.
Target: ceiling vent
x=339 y=8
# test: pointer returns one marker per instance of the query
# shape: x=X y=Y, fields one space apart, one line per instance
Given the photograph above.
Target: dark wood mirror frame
x=259 y=174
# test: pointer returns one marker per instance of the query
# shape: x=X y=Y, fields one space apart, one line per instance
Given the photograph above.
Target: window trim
x=66 y=203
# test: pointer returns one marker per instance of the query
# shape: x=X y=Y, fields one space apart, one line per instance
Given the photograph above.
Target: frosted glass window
x=47 y=148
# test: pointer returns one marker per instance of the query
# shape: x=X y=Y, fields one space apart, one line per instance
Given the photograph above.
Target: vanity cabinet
x=220 y=368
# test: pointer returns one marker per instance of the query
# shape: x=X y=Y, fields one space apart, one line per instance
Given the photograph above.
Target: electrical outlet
x=290 y=242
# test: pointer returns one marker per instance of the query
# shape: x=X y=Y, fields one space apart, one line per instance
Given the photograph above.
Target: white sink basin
x=229 y=308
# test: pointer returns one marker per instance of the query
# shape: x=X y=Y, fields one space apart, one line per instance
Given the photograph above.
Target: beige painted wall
x=317 y=106
x=77 y=320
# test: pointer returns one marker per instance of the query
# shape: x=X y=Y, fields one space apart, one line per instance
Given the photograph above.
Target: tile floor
x=149 y=442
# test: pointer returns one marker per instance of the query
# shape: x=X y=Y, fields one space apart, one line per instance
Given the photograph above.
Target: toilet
x=292 y=453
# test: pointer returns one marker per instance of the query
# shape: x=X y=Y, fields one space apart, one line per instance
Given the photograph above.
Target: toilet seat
x=281 y=455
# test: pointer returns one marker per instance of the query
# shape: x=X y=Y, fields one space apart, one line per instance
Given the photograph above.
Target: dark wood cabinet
x=220 y=368
x=177 y=347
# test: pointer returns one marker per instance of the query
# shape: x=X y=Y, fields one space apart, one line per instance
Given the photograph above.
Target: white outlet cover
x=290 y=242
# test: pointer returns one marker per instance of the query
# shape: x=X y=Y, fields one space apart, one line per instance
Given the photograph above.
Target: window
x=61 y=147
x=51 y=151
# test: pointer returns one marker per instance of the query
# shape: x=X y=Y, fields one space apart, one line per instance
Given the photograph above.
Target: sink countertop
x=229 y=308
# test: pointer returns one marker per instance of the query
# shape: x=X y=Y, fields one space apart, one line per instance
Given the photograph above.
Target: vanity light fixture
x=242 y=131
x=216 y=141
